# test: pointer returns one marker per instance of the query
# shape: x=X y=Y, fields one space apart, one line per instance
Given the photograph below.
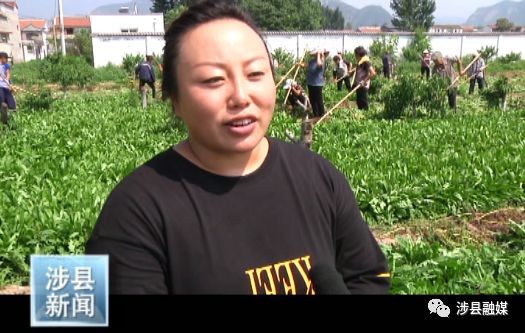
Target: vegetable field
x=444 y=193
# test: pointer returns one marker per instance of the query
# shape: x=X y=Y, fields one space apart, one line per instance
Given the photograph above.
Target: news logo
x=69 y=290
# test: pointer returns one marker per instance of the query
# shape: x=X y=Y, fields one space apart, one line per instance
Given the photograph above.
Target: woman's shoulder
x=151 y=174
x=304 y=158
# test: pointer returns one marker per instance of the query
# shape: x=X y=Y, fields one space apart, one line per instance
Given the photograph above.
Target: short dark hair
x=360 y=51
x=149 y=58
x=4 y=55
x=199 y=13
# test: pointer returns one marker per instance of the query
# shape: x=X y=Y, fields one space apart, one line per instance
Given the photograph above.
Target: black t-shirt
x=172 y=227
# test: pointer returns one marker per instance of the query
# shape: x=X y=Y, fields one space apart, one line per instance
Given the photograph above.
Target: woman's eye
x=213 y=80
x=256 y=74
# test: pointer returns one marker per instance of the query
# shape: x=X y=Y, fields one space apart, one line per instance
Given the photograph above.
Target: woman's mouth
x=241 y=123
x=242 y=127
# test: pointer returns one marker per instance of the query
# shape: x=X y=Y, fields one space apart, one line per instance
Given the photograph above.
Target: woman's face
x=226 y=91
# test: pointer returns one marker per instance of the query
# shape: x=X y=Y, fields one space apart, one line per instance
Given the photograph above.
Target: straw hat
x=426 y=51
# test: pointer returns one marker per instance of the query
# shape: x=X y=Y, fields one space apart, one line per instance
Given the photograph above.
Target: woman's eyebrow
x=224 y=64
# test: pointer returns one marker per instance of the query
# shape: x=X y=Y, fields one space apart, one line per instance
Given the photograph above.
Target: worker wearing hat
x=425 y=63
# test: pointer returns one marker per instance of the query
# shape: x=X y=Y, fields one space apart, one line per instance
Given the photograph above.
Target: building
x=72 y=25
x=446 y=29
x=369 y=30
x=10 y=36
x=115 y=36
x=469 y=28
x=34 y=38
x=389 y=28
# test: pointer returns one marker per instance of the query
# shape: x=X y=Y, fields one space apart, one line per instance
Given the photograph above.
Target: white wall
x=448 y=44
x=113 y=48
x=101 y=24
x=110 y=45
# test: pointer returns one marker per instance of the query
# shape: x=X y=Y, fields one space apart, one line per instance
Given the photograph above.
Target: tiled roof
x=9 y=3
x=74 y=22
x=37 y=23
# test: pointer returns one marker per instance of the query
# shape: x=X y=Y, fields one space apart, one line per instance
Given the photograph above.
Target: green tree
x=67 y=71
x=420 y=42
x=333 y=19
x=384 y=44
x=503 y=24
x=410 y=15
x=82 y=45
x=172 y=15
x=164 y=6
x=285 y=15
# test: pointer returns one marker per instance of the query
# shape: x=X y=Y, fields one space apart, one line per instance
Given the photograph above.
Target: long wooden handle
x=339 y=103
x=464 y=70
x=294 y=77
x=285 y=76
x=479 y=71
x=347 y=75
x=290 y=90
x=291 y=69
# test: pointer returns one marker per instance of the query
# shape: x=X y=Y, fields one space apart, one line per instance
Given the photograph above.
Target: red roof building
x=35 y=23
x=369 y=29
x=72 y=24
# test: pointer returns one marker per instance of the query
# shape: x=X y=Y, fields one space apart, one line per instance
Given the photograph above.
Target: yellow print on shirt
x=287 y=274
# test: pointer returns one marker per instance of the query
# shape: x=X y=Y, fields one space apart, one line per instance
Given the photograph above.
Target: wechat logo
x=437 y=306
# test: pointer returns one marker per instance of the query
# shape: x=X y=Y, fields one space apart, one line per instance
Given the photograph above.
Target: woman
x=315 y=81
x=444 y=67
x=229 y=210
x=364 y=73
x=340 y=73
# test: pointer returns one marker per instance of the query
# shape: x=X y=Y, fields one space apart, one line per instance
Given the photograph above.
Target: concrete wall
x=112 y=48
x=448 y=44
x=110 y=45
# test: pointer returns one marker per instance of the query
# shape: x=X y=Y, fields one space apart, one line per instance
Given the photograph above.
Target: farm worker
x=222 y=212
x=316 y=68
x=340 y=73
x=364 y=73
x=7 y=99
x=297 y=96
x=388 y=65
x=444 y=67
x=477 y=73
x=425 y=63
x=146 y=74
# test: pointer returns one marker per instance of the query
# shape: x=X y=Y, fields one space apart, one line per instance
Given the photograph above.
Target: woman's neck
x=221 y=163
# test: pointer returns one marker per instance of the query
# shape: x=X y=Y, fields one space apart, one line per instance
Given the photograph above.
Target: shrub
x=41 y=100
x=420 y=42
x=130 y=61
x=496 y=94
x=511 y=57
x=488 y=52
x=110 y=72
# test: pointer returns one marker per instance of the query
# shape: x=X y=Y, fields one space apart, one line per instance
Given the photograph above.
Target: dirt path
x=477 y=228
x=15 y=290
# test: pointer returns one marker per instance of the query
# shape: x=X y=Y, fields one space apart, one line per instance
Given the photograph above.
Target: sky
x=444 y=8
